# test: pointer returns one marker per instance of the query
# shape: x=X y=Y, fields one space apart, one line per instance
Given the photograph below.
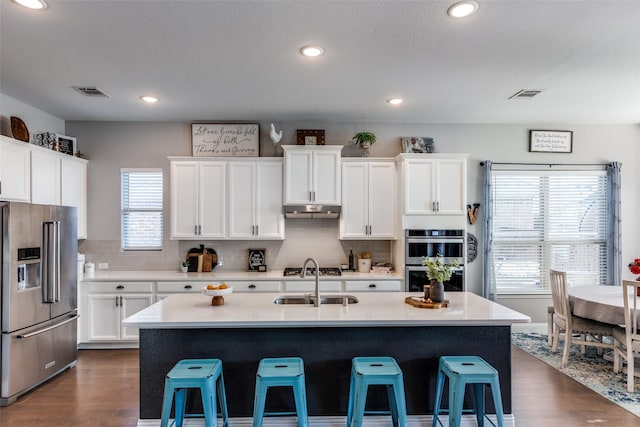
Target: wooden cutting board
x=420 y=302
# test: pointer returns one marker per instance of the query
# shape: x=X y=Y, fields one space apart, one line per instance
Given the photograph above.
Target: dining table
x=597 y=302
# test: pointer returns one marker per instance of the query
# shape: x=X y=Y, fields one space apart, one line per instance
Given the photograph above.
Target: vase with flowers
x=634 y=267
x=438 y=271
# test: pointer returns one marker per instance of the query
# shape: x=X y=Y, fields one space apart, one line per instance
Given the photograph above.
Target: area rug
x=589 y=370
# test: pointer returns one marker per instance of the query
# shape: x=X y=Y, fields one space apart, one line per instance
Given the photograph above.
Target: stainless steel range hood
x=311 y=211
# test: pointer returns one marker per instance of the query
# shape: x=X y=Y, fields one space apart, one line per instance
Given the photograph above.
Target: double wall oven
x=420 y=244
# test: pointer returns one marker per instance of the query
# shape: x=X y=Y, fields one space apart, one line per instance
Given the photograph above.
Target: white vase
x=184 y=268
x=364 y=265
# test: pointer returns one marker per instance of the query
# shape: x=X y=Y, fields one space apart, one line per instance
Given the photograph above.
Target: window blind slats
x=141 y=209
x=545 y=220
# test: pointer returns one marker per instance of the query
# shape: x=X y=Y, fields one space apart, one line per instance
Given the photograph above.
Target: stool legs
x=436 y=406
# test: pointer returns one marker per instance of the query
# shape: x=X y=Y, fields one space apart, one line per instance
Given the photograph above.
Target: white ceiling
x=239 y=60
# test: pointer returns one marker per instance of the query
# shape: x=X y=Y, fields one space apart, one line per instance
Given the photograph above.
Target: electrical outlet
x=103 y=266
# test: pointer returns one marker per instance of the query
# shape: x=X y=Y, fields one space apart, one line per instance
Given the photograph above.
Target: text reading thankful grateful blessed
x=225 y=140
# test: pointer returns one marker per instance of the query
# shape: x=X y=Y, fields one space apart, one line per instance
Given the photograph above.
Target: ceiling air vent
x=525 y=94
x=91 y=91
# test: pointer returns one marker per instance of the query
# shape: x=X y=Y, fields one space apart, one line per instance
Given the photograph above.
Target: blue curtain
x=488 y=282
x=614 y=238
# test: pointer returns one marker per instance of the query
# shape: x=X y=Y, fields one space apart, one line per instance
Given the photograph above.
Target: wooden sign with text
x=225 y=140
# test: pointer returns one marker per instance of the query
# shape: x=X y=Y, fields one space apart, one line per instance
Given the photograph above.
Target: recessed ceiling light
x=149 y=99
x=312 y=51
x=32 y=4
x=462 y=9
x=395 y=101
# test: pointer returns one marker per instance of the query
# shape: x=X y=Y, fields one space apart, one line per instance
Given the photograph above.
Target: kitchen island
x=249 y=327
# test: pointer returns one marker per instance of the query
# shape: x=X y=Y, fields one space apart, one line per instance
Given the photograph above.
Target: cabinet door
x=15 y=171
x=269 y=217
x=73 y=181
x=45 y=178
x=213 y=205
x=184 y=199
x=242 y=200
x=419 y=187
x=131 y=304
x=326 y=178
x=297 y=185
x=354 y=219
x=450 y=190
x=382 y=196
x=103 y=323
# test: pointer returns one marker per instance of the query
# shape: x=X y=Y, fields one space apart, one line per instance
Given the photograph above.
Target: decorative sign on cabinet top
x=225 y=140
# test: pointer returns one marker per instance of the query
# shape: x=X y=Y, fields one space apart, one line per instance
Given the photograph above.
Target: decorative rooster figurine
x=275 y=137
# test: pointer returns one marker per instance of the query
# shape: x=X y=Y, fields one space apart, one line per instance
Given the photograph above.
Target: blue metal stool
x=366 y=371
x=287 y=371
x=463 y=370
x=205 y=374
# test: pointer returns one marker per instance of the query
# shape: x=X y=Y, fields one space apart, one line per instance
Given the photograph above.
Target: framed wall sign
x=66 y=144
x=225 y=140
x=551 y=141
x=257 y=259
x=310 y=136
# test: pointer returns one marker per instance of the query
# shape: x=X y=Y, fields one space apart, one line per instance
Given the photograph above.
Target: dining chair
x=626 y=340
x=589 y=332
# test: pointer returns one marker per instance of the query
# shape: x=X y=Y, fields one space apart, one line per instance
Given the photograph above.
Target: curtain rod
x=549 y=164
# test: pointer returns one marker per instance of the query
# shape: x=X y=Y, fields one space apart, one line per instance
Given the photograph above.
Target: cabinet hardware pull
x=116 y=301
x=372 y=285
x=252 y=286
x=119 y=287
x=314 y=196
x=199 y=230
x=310 y=199
x=257 y=230
x=195 y=230
x=438 y=206
x=187 y=286
x=121 y=304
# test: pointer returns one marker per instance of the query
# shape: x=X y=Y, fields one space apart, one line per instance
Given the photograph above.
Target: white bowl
x=217 y=292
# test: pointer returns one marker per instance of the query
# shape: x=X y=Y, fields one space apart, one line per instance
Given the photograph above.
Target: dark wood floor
x=103 y=391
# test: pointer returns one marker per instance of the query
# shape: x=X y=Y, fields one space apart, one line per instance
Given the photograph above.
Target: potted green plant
x=184 y=266
x=438 y=271
x=364 y=139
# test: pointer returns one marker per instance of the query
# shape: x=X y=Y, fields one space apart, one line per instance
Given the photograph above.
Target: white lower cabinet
x=108 y=303
x=164 y=289
x=254 y=286
x=373 y=286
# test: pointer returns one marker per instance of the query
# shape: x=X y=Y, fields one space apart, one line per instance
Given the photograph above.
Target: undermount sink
x=310 y=299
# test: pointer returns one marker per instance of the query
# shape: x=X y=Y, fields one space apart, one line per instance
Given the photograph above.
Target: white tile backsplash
x=316 y=238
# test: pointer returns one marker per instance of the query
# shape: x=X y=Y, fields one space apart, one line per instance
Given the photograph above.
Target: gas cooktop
x=324 y=271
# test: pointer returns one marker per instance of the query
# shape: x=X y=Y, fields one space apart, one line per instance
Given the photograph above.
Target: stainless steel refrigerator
x=39 y=298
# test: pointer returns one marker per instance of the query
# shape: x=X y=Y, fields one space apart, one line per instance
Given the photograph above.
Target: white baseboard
x=369 y=421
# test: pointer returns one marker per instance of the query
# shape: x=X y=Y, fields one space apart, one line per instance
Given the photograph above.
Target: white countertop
x=222 y=275
x=257 y=310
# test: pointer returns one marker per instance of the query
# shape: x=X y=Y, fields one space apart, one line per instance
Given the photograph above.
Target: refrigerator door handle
x=51 y=262
x=48 y=328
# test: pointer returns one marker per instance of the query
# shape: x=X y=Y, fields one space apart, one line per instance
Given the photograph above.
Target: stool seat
x=366 y=371
x=277 y=372
x=463 y=370
x=204 y=374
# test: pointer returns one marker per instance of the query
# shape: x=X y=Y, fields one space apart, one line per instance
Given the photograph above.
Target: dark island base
x=327 y=354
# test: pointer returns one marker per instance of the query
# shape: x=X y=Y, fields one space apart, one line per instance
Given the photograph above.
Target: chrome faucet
x=303 y=274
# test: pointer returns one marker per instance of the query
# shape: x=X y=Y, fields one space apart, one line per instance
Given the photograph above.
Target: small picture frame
x=550 y=141
x=257 y=259
x=310 y=136
x=417 y=144
x=66 y=144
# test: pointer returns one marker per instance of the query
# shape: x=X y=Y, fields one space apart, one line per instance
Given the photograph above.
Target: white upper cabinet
x=434 y=186
x=255 y=200
x=45 y=177
x=312 y=174
x=15 y=170
x=73 y=185
x=368 y=203
x=198 y=206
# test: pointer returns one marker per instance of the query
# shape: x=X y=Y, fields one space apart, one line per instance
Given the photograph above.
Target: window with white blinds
x=141 y=209
x=548 y=219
